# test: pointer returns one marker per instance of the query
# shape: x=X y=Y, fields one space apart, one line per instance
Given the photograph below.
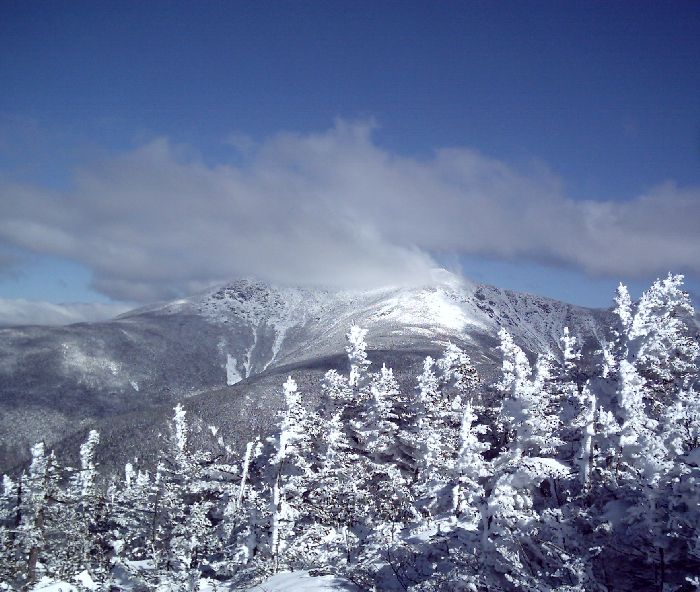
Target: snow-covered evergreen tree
x=338 y=393
x=290 y=471
x=182 y=531
x=431 y=449
x=10 y=516
x=606 y=449
x=246 y=513
x=529 y=412
x=471 y=468
x=584 y=483
x=570 y=351
x=441 y=418
x=38 y=517
x=650 y=368
x=659 y=340
x=642 y=447
x=87 y=510
x=587 y=403
x=457 y=367
x=133 y=520
x=357 y=355
x=380 y=424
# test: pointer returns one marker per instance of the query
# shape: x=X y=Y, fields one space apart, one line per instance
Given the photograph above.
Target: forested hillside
x=217 y=351
x=570 y=473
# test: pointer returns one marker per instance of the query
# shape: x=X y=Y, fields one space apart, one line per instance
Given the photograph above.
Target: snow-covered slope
x=278 y=325
x=298 y=581
x=57 y=382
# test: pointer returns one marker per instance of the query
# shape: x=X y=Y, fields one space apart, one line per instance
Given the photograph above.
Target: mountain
x=226 y=352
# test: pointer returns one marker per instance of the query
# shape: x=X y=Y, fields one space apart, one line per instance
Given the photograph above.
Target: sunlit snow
x=431 y=308
x=299 y=581
x=232 y=374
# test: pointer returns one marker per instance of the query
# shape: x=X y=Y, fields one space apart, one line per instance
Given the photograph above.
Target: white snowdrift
x=301 y=581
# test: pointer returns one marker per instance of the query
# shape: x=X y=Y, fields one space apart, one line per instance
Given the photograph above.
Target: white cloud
x=29 y=312
x=333 y=208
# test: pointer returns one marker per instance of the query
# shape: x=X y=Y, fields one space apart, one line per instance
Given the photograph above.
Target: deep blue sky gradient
x=605 y=94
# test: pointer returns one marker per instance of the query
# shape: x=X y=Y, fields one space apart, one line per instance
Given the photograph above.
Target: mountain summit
x=60 y=381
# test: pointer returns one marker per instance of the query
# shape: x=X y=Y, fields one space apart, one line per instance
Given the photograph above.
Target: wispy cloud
x=27 y=312
x=333 y=208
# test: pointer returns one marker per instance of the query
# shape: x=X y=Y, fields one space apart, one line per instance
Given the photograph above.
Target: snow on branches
x=571 y=471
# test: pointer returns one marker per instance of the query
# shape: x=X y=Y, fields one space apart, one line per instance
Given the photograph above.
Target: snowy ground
x=298 y=581
x=49 y=585
x=301 y=581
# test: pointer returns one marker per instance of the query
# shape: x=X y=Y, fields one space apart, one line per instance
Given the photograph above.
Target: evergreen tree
x=658 y=336
x=357 y=355
x=88 y=509
x=9 y=521
x=290 y=472
x=182 y=531
x=457 y=367
x=593 y=484
x=133 y=517
x=441 y=417
x=39 y=519
x=528 y=412
x=471 y=468
x=432 y=450
x=585 y=422
x=381 y=420
x=653 y=366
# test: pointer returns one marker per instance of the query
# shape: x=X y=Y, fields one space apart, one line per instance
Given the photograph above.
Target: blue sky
x=586 y=109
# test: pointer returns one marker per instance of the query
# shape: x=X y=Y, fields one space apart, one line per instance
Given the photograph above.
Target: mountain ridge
x=56 y=382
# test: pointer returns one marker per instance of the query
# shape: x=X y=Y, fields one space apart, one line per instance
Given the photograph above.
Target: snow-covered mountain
x=523 y=478
x=225 y=352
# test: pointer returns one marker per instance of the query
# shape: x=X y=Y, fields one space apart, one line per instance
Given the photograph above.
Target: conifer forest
x=572 y=472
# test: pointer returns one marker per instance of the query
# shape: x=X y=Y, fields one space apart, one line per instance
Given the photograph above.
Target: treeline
x=551 y=479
